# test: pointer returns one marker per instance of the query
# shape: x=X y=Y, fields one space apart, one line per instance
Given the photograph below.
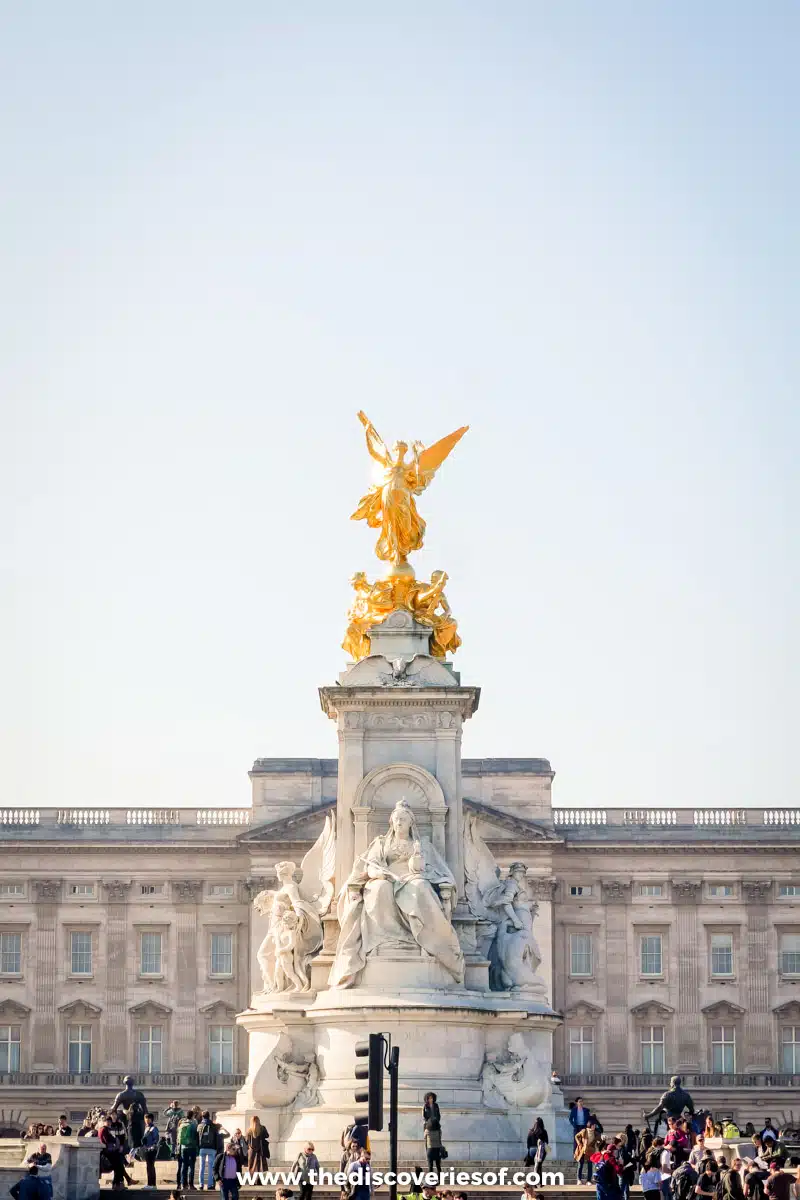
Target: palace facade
x=669 y=938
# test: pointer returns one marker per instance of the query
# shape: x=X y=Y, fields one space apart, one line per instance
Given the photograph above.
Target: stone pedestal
x=486 y=1055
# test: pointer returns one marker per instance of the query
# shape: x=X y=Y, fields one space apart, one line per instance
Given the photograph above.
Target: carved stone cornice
x=757 y=891
x=47 y=891
x=187 y=891
x=117 y=890
x=542 y=889
x=255 y=884
x=616 y=891
x=686 y=891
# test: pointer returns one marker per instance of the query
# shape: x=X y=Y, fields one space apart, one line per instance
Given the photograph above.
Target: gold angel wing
x=375 y=443
x=433 y=456
x=316 y=885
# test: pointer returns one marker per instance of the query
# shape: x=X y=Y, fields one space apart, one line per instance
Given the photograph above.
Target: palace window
x=221 y=891
x=581 y=1050
x=151 y=889
x=10 y=1042
x=790 y=954
x=11 y=890
x=580 y=889
x=656 y=890
x=651 y=957
x=150 y=949
x=653 y=1050
x=84 y=890
x=79 y=1049
x=150 y=1058
x=222 y=954
x=220 y=1049
x=720 y=891
x=80 y=950
x=580 y=954
x=723 y=1049
x=10 y=953
x=790 y=1049
x=789 y=889
x=721 y=954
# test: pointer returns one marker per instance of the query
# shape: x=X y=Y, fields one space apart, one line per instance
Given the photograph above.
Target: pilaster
x=616 y=898
x=48 y=895
x=117 y=952
x=685 y=894
x=186 y=894
x=758 y=1042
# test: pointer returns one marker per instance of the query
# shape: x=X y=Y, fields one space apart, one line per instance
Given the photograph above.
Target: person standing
x=188 y=1146
x=227 y=1166
x=64 y=1130
x=257 y=1146
x=779 y=1182
x=537 y=1145
x=208 y=1149
x=433 y=1144
x=430 y=1108
x=150 y=1139
x=578 y=1117
x=173 y=1114
x=306 y=1169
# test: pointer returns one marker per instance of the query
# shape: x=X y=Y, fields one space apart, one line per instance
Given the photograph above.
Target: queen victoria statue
x=398 y=897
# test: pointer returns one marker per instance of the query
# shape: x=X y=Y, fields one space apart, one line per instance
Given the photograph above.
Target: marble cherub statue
x=295 y=910
x=514 y=955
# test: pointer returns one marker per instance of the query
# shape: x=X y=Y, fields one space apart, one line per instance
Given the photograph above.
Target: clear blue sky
x=227 y=227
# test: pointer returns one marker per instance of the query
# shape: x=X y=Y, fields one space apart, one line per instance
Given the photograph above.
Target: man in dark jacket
x=683 y=1181
x=30 y=1187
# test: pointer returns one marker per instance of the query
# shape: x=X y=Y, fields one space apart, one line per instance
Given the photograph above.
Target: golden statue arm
x=375 y=443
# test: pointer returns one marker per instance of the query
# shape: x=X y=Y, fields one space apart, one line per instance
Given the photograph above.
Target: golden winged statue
x=389 y=505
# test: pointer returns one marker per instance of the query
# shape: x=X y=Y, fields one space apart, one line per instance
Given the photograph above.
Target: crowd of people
x=679 y=1165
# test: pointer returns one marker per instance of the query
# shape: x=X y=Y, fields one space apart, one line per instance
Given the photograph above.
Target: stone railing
x=90 y=817
x=675 y=818
x=115 y=1080
x=657 y=1083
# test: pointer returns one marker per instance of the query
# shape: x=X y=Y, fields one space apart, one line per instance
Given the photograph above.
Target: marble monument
x=399 y=921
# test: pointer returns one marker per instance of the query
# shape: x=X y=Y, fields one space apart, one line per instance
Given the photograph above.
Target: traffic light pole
x=394 y=1087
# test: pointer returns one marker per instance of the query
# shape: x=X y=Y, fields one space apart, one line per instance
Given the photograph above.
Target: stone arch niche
x=379 y=792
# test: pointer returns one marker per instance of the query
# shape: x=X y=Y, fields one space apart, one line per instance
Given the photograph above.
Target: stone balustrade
x=676 y=818
x=658 y=1083
x=116 y=1080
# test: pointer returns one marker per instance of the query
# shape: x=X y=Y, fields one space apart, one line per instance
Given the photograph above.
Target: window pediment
x=150 y=1008
x=218 y=1009
x=12 y=1008
x=584 y=1008
x=788 y=1011
x=723 y=1008
x=80 y=1008
x=651 y=1009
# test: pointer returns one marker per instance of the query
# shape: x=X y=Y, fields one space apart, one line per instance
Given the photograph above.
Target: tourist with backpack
x=188 y=1145
x=208 y=1139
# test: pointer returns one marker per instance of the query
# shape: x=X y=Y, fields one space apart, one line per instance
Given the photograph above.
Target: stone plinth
x=486 y=1055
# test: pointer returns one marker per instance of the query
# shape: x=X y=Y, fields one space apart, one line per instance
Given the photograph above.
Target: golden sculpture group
x=390 y=506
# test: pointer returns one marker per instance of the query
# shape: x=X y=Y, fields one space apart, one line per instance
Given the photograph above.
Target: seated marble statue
x=393 y=899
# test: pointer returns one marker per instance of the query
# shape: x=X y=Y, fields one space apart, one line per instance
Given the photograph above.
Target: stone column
x=45 y=966
x=616 y=896
x=115 y=1023
x=685 y=894
x=448 y=773
x=186 y=894
x=351 y=772
x=759 y=1052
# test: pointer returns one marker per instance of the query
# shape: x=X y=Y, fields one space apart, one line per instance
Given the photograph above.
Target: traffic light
x=372 y=1071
